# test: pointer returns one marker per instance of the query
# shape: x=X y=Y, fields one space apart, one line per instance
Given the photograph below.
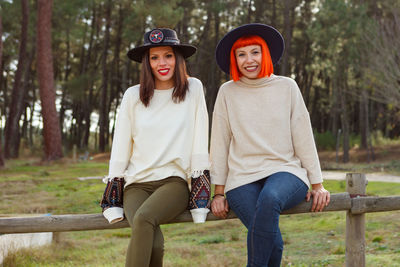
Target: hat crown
x=161 y=36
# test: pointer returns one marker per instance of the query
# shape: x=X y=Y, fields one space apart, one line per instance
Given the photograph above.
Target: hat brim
x=271 y=36
x=136 y=53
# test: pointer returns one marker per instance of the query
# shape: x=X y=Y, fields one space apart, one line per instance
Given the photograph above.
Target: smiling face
x=248 y=59
x=162 y=62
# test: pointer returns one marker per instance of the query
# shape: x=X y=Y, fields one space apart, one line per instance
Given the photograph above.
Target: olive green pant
x=146 y=206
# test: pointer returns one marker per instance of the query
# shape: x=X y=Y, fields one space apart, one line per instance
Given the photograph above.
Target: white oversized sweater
x=260 y=127
x=161 y=140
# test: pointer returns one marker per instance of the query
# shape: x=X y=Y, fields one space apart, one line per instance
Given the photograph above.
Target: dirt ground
x=101 y=157
x=357 y=155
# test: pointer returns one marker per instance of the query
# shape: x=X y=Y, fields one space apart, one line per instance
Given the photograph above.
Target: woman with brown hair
x=161 y=139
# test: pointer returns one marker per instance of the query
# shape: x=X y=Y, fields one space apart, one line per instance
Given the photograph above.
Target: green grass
x=310 y=239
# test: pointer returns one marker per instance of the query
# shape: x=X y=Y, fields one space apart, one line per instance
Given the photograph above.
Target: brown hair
x=147 y=83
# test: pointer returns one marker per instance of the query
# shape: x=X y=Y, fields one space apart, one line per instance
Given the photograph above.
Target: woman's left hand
x=321 y=197
x=220 y=206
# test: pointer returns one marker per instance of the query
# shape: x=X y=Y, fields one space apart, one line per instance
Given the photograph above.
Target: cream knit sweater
x=261 y=127
x=161 y=140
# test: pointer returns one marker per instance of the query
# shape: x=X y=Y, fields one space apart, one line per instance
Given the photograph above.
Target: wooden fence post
x=355 y=223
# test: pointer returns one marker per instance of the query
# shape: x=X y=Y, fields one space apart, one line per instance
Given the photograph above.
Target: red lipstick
x=163 y=71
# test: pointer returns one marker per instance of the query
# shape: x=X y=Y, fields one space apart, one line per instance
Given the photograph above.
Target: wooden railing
x=354 y=202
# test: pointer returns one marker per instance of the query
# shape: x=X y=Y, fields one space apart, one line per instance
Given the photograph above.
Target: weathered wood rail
x=354 y=202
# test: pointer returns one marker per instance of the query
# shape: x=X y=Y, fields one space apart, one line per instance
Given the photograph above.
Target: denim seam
x=252 y=240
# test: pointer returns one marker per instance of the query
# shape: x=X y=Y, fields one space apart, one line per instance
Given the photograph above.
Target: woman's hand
x=219 y=206
x=321 y=197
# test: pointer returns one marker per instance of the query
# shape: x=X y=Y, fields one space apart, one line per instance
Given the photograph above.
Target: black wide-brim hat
x=272 y=37
x=160 y=37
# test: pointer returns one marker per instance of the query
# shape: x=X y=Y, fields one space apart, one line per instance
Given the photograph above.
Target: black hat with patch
x=160 y=37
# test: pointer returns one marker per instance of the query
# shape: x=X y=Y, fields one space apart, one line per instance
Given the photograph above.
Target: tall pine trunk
x=88 y=98
x=341 y=83
x=215 y=77
x=1 y=76
x=12 y=129
x=67 y=68
x=51 y=126
x=103 y=141
x=288 y=20
x=345 y=126
x=116 y=74
x=363 y=115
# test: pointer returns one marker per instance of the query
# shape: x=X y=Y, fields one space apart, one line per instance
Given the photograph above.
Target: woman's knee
x=142 y=218
x=270 y=199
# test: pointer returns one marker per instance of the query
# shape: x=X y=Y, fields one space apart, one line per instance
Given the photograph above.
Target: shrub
x=325 y=141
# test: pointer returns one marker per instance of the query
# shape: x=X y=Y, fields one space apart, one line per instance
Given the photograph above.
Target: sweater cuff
x=315 y=180
x=197 y=173
x=116 y=169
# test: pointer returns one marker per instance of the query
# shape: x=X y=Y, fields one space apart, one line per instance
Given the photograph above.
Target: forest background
x=64 y=69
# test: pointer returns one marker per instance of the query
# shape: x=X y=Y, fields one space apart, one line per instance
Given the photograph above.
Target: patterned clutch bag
x=112 y=201
x=200 y=191
x=113 y=194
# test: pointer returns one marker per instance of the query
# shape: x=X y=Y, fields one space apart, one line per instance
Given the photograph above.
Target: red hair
x=267 y=68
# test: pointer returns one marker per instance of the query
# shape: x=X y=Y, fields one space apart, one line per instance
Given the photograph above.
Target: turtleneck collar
x=255 y=83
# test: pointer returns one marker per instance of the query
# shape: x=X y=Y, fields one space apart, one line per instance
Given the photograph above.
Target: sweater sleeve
x=303 y=138
x=122 y=142
x=220 y=141
x=199 y=160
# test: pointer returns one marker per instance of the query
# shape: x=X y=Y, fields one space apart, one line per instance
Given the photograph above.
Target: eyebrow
x=167 y=52
x=255 y=48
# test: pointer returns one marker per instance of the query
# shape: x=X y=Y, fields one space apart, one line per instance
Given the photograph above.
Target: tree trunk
x=316 y=114
x=202 y=46
x=31 y=128
x=28 y=80
x=12 y=134
x=1 y=48
x=249 y=11
x=116 y=74
x=87 y=109
x=104 y=94
x=66 y=77
x=1 y=52
x=287 y=33
x=363 y=119
x=345 y=124
x=259 y=5
x=1 y=77
x=273 y=20
x=335 y=106
x=183 y=25
x=51 y=124
x=212 y=88
x=368 y=141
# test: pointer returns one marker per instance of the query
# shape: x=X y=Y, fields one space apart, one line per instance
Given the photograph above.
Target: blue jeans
x=259 y=205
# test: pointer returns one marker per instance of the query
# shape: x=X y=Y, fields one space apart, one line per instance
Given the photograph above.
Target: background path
x=374 y=177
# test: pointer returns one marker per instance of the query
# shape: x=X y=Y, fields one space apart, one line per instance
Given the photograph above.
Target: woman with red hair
x=263 y=154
